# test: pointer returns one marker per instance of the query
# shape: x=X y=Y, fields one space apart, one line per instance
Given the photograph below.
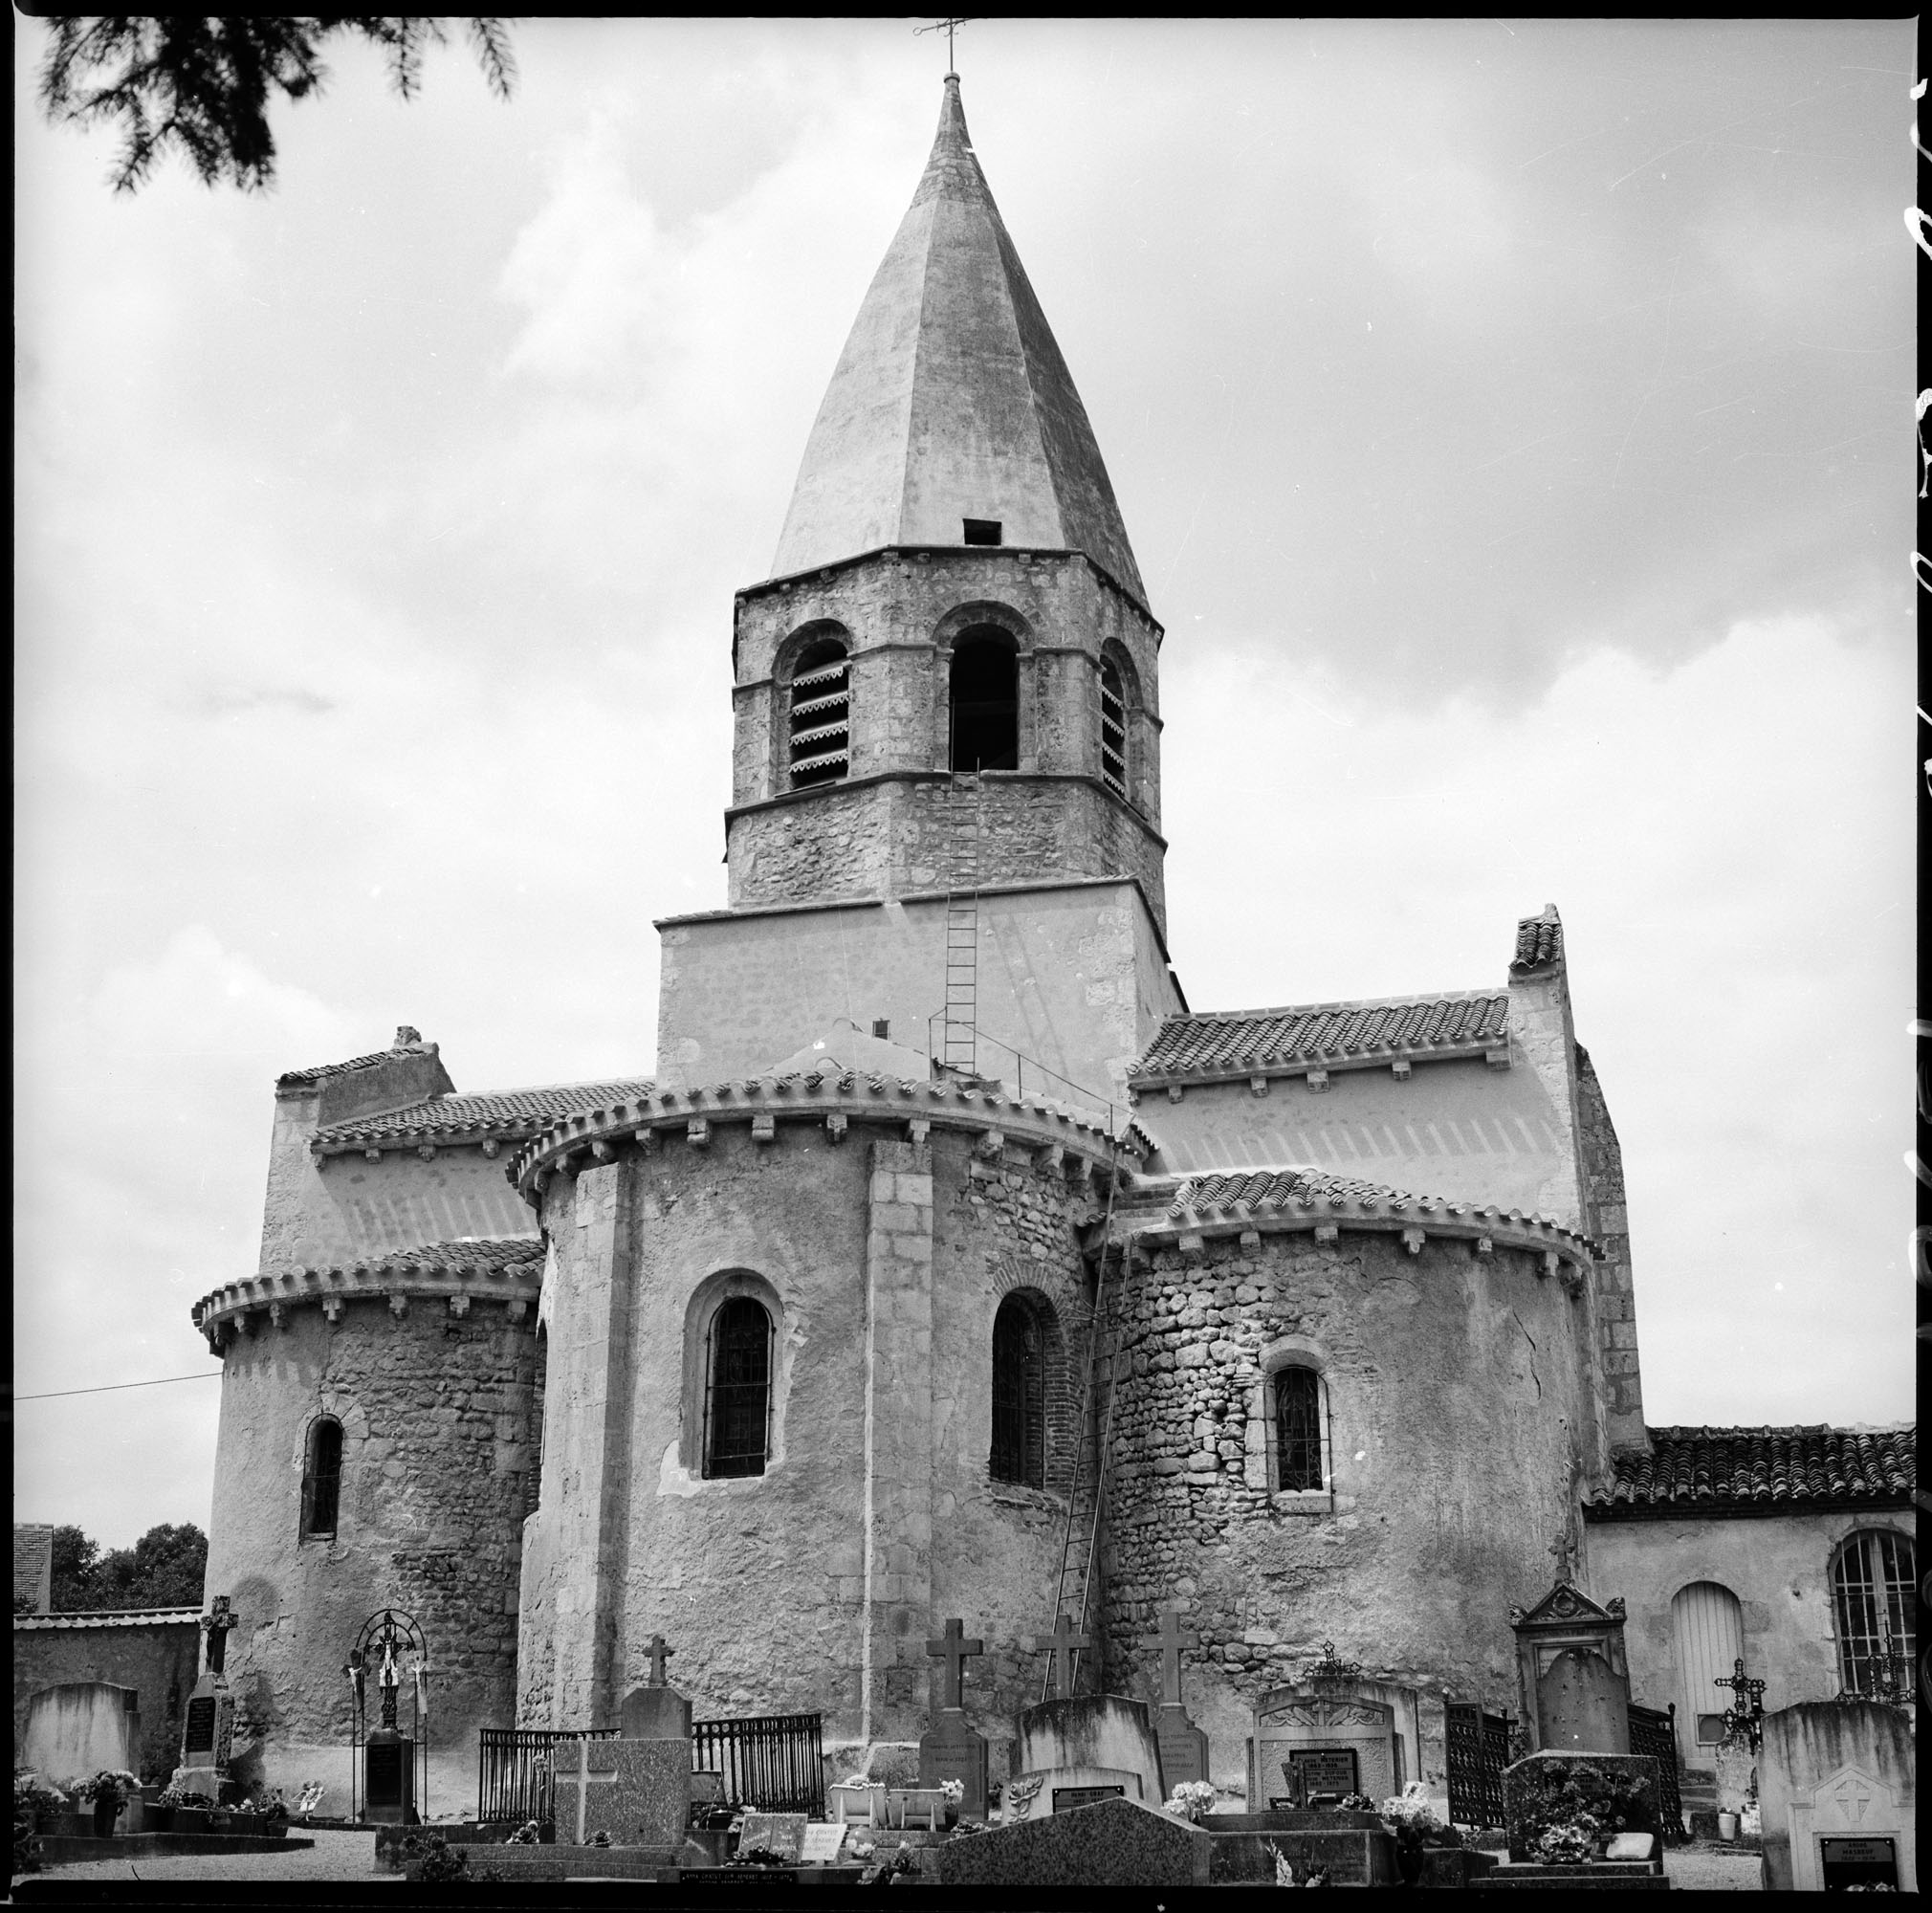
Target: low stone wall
x=154 y=1651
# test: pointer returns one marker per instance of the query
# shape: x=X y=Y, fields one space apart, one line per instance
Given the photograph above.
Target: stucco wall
x=1778 y=1567
x=1076 y=978
x=435 y=1412
x=1457 y=1384
x=888 y=1257
x=156 y=1658
x=1607 y=1221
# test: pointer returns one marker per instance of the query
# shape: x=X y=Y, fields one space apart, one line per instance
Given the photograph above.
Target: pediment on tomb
x=1565 y=1607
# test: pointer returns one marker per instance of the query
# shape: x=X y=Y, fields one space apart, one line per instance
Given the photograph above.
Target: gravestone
x=954 y=1750
x=1109 y=1843
x=782 y=1834
x=207 y=1728
x=635 y=1791
x=80 y=1726
x=1574 y=1672
x=1836 y=1796
x=655 y=1710
x=1091 y=1741
x=1310 y=1746
x=1184 y=1746
x=824 y=1841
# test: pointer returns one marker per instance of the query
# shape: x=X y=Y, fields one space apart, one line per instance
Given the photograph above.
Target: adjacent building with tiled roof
x=505 y=1114
x=1729 y=1470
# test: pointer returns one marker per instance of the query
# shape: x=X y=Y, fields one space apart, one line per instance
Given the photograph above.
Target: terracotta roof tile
x=1231 y=1042
x=90 y=1617
x=509 y=1112
x=1692 y=1468
x=354 y=1063
x=481 y=1255
x=1539 y=941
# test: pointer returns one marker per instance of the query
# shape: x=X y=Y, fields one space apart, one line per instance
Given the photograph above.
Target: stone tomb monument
x=1314 y=1747
x=1836 y=1792
x=1572 y=1672
x=636 y=1789
x=1083 y=1748
x=79 y=1728
x=207 y=1732
x=1184 y=1746
x=1107 y=1843
x=953 y=1751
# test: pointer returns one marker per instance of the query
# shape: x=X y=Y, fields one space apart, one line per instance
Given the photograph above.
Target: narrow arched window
x=985 y=701
x=322 y=1477
x=1872 y=1583
x=739 y=1389
x=819 y=743
x=1019 y=1395
x=1112 y=728
x=1298 y=1430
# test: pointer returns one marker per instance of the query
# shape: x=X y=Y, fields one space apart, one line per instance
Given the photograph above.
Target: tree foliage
x=202 y=85
x=164 y=1569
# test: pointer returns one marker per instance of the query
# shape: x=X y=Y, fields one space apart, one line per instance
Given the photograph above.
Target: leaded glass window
x=1298 y=1429
x=1872 y=1597
x=738 y=1388
x=1019 y=1395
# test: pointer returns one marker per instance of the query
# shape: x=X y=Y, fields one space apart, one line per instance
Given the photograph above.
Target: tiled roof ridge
x=1414 y=999
x=1232 y=1042
x=481 y=1112
x=458 y=1252
x=1695 y=1465
x=353 y=1063
x=108 y=1617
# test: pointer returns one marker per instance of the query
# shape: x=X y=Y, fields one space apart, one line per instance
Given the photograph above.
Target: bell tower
x=950 y=680
x=948 y=688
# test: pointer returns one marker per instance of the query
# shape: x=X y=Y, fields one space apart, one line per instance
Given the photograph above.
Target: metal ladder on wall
x=960 y=1049
x=1080 y=1542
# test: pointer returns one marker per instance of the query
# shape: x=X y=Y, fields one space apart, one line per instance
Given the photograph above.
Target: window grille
x=738 y=1388
x=1298 y=1429
x=821 y=741
x=322 y=1477
x=1113 y=729
x=1018 y=1396
x=985 y=694
x=1872 y=1589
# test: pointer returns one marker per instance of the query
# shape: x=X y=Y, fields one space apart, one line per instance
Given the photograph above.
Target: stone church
x=949 y=1265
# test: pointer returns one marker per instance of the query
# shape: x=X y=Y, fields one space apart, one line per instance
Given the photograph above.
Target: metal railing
x=773 y=1761
x=1653 y=1731
x=1478 y=1749
x=1029 y=1071
x=516 y=1771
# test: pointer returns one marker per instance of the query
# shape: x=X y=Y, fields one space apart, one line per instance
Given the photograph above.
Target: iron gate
x=1479 y=1750
x=771 y=1761
x=1655 y=1732
x=516 y=1771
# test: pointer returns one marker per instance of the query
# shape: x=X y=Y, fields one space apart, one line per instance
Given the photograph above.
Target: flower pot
x=1727 y=1826
x=107 y=1812
x=1409 y=1864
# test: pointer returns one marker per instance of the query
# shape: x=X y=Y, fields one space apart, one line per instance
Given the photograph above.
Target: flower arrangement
x=111 y=1784
x=525 y=1836
x=1414 y=1822
x=1284 y=1872
x=1355 y=1803
x=1568 y=1843
x=955 y=1792
x=1192 y=1799
x=599 y=1838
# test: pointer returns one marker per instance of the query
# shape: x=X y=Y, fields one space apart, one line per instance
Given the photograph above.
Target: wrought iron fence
x=771 y=1761
x=1655 y=1732
x=515 y=1770
x=1478 y=1752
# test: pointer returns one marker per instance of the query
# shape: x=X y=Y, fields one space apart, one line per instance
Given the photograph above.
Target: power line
x=109 y=1388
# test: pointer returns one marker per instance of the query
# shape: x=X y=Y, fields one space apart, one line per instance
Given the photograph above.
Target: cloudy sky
x=1513 y=424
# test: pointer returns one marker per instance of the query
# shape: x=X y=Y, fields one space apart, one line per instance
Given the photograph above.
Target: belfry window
x=1872 y=1592
x=322 y=1477
x=985 y=699
x=819 y=744
x=1298 y=1430
x=1113 y=729
x=1019 y=1395
x=738 y=1388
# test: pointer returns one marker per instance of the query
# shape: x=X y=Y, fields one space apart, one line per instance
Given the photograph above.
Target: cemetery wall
x=1457 y=1386
x=1082 y=974
x=435 y=1412
x=1777 y=1565
x=157 y=1655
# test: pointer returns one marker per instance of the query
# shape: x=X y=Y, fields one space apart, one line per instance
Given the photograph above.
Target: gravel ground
x=1704 y=1867
x=333 y=1857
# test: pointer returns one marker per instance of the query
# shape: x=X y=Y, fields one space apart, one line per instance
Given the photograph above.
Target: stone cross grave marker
x=584 y=1780
x=954 y=1750
x=1184 y=1746
x=660 y=1652
x=1063 y=1644
x=953 y=1650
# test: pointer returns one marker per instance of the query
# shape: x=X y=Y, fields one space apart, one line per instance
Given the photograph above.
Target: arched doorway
x=1709 y=1629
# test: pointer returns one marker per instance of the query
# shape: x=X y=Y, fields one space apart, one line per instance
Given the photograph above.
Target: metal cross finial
x=950 y=26
x=1745 y=1717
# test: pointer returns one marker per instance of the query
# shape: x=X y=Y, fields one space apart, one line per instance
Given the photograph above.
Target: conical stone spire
x=951 y=399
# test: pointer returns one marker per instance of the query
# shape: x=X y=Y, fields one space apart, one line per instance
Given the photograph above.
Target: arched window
x=738 y=1388
x=1871 y=1582
x=1298 y=1431
x=1112 y=728
x=985 y=693
x=322 y=1477
x=1018 y=1394
x=820 y=745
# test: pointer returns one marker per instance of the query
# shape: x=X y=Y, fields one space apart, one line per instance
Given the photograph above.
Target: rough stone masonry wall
x=1606 y=1218
x=1000 y=1226
x=1456 y=1385
x=435 y=1413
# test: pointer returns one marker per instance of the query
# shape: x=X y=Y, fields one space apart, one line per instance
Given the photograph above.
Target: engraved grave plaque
x=1064 y=1797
